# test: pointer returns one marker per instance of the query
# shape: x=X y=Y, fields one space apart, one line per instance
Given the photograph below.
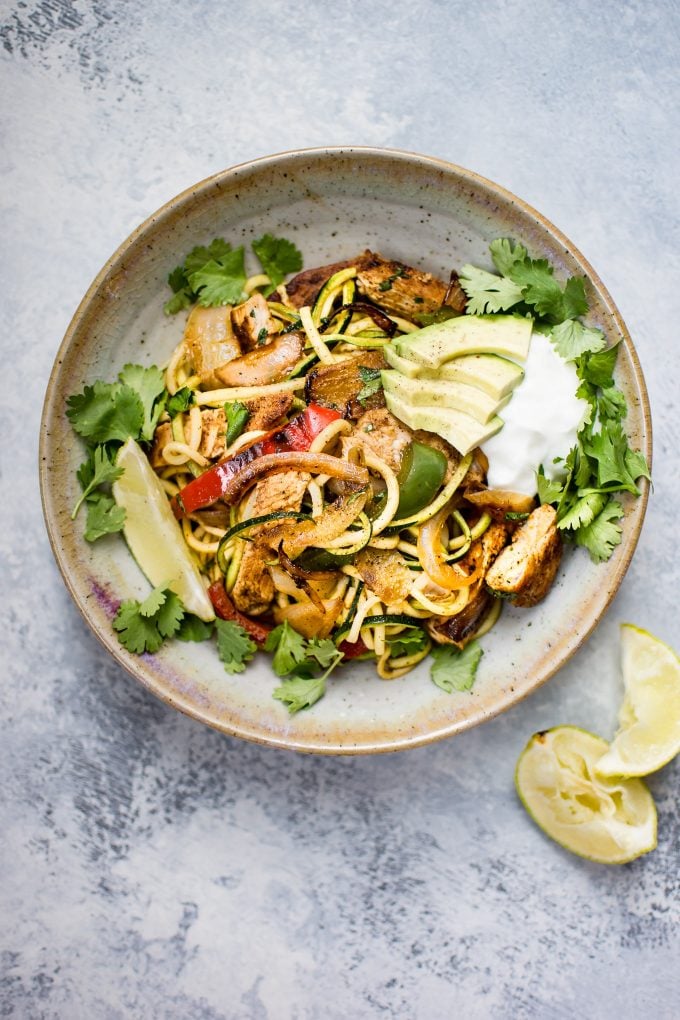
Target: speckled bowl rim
x=508 y=698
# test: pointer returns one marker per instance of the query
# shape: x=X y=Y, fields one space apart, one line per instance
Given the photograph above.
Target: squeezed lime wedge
x=649 y=720
x=610 y=821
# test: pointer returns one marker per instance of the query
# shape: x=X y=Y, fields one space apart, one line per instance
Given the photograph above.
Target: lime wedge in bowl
x=610 y=821
x=152 y=533
x=649 y=720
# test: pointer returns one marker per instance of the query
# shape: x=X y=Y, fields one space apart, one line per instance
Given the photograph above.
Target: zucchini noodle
x=321 y=350
x=295 y=532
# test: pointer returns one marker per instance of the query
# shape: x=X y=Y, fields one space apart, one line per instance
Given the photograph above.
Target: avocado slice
x=507 y=335
x=489 y=372
x=461 y=430
x=441 y=393
x=403 y=365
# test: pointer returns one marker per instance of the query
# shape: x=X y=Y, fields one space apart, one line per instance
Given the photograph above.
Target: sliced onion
x=501 y=499
x=273 y=463
x=432 y=555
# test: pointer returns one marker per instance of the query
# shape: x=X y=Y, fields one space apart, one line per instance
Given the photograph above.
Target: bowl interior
x=332 y=203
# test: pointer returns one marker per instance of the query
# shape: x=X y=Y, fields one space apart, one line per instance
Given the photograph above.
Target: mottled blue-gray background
x=152 y=868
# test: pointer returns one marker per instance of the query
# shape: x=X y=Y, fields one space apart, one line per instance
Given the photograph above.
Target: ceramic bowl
x=332 y=203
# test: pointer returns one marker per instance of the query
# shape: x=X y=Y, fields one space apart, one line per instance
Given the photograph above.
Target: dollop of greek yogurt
x=541 y=422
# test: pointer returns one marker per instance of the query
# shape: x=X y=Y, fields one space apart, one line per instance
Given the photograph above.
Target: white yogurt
x=541 y=422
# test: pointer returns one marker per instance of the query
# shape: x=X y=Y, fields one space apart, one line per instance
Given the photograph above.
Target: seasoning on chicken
x=403 y=290
x=253 y=591
x=253 y=324
x=526 y=569
x=384 y=435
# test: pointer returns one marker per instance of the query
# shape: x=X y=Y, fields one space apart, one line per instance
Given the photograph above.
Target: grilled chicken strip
x=384 y=435
x=526 y=569
x=264 y=414
x=401 y=289
x=210 y=340
x=254 y=588
x=253 y=324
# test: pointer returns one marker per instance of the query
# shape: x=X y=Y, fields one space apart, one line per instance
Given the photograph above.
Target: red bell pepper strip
x=353 y=649
x=298 y=435
x=226 y=610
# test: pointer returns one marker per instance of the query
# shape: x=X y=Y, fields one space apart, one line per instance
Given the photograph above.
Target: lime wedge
x=605 y=820
x=152 y=533
x=649 y=719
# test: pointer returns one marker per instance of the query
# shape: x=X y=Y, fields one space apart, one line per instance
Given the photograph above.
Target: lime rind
x=605 y=821
x=648 y=736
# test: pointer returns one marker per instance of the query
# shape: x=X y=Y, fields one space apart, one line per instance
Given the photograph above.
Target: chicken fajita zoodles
x=354 y=464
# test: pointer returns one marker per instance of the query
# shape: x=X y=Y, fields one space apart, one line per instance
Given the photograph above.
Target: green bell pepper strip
x=420 y=478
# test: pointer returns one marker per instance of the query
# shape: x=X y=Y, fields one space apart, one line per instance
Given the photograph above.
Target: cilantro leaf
x=183 y=296
x=572 y=339
x=636 y=465
x=598 y=368
x=539 y=287
x=193 y=629
x=372 y=381
x=407 y=642
x=237 y=415
x=611 y=403
x=106 y=412
x=609 y=447
x=199 y=256
x=104 y=516
x=278 y=257
x=324 y=651
x=487 y=292
x=154 y=601
x=549 y=491
x=574 y=302
x=602 y=536
x=148 y=384
x=300 y=692
x=143 y=626
x=582 y=512
x=95 y=471
x=288 y=647
x=234 y=646
x=135 y=632
x=453 y=669
x=507 y=254
x=169 y=614
x=294 y=654
x=220 y=281
x=179 y=401
x=535 y=278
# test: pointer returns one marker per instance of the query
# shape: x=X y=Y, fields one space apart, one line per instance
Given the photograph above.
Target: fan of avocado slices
x=602 y=465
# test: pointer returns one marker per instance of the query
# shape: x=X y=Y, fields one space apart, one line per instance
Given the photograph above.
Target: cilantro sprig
x=299 y=660
x=602 y=463
x=143 y=626
x=105 y=415
x=215 y=274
